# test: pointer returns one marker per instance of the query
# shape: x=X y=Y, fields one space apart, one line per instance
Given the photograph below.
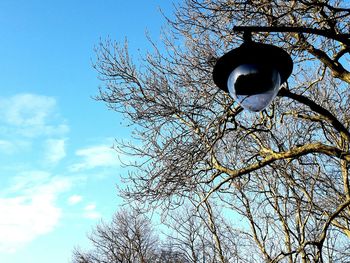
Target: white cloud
x=90 y=207
x=30 y=115
x=96 y=156
x=29 y=109
x=92 y=215
x=90 y=212
x=14 y=146
x=7 y=147
x=55 y=150
x=74 y=199
x=28 y=208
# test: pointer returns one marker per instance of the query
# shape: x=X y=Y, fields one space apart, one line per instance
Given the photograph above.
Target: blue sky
x=58 y=172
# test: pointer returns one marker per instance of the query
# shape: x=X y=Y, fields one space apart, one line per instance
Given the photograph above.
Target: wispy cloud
x=55 y=150
x=28 y=208
x=95 y=156
x=90 y=211
x=74 y=199
x=32 y=130
x=30 y=115
x=7 y=147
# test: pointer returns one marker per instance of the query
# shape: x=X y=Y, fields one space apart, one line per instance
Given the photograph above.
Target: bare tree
x=202 y=234
x=284 y=172
x=128 y=238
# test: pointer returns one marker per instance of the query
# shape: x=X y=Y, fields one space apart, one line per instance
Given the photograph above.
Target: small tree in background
x=283 y=173
x=202 y=234
x=129 y=237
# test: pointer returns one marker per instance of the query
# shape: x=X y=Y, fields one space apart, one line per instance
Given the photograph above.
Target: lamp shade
x=253 y=73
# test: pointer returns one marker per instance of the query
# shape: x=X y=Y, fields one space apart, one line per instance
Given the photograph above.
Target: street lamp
x=253 y=73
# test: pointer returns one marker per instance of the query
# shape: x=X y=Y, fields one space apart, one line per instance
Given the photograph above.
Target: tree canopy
x=282 y=173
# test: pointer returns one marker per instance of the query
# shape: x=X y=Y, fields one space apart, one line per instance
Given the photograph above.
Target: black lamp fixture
x=253 y=73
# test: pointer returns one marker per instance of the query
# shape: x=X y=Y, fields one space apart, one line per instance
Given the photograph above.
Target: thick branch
x=343 y=38
x=320 y=110
x=337 y=69
x=274 y=156
x=340 y=209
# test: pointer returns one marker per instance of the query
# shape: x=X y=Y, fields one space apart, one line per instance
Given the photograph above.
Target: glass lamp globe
x=254 y=86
